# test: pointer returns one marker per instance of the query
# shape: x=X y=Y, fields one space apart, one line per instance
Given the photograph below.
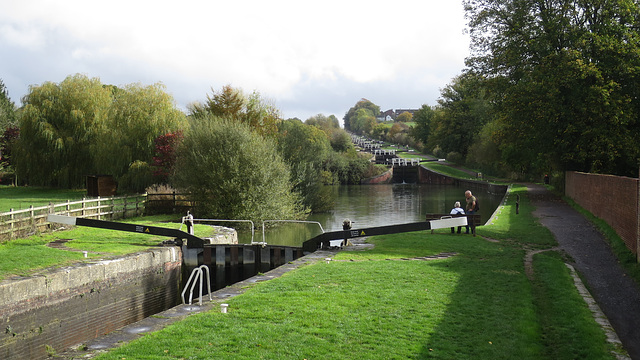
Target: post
x=12 y=218
x=517 y=204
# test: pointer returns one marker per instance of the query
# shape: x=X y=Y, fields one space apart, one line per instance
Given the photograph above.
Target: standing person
x=457 y=210
x=472 y=207
x=346 y=225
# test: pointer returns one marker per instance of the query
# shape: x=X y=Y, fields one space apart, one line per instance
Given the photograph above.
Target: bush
x=455 y=157
x=234 y=173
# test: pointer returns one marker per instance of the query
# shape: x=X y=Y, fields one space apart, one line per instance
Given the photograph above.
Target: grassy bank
x=32 y=254
x=392 y=303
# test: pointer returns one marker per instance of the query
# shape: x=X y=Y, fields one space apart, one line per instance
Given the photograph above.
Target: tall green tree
x=361 y=122
x=564 y=75
x=81 y=127
x=234 y=172
x=58 y=127
x=305 y=148
x=7 y=109
x=338 y=137
x=462 y=112
x=422 y=118
x=328 y=124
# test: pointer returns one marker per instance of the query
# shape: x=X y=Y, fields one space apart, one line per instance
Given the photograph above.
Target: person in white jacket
x=455 y=211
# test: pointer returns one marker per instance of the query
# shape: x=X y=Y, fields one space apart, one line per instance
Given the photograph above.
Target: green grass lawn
x=21 y=197
x=386 y=304
x=448 y=170
x=26 y=256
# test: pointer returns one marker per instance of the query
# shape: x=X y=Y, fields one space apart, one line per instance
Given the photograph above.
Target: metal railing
x=197 y=274
x=222 y=220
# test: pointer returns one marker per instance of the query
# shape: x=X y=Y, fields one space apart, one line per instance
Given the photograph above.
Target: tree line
x=233 y=153
x=550 y=86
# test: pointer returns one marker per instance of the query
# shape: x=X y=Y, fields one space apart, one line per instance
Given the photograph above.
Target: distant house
x=392 y=115
x=388 y=115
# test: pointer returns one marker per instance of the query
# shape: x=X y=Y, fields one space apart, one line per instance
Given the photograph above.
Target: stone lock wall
x=50 y=312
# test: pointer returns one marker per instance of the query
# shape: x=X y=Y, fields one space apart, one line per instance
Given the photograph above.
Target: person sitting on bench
x=455 y=211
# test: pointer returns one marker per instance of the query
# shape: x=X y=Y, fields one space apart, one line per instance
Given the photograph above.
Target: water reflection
x=377 y=205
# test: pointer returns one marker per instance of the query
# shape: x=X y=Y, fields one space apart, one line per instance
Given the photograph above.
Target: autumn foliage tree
x=233 y=104
x=165 y=155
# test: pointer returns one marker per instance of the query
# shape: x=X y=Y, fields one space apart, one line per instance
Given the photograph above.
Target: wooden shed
x=101 y=185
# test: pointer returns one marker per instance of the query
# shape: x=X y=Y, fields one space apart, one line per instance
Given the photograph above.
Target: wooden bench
x=473 y=220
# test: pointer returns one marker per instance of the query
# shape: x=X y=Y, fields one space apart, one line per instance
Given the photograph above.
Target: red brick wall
x=380 y=179
x=611 y=198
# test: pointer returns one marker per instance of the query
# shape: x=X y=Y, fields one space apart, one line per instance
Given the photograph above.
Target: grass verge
x=566 y=320
x=449 y=170
x=27 y=256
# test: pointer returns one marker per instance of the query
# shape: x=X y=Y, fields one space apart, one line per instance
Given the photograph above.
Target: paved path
x=617 y=295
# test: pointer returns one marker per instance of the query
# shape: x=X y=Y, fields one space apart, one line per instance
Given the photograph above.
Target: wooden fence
x=169 y=203
x=20 y=223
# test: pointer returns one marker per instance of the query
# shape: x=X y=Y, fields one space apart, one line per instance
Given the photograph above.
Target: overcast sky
x=307 y=57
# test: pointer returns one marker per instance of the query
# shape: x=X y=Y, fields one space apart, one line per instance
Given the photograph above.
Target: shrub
x=234 y=173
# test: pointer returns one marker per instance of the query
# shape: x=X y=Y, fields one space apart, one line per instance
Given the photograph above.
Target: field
x=21 y=197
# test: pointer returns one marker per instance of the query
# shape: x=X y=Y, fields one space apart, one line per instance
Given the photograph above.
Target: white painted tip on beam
x=68 y=220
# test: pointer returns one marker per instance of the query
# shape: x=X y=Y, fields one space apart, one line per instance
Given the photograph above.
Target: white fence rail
x=19 y=223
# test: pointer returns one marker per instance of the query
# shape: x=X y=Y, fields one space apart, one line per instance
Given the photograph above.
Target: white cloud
x=276 y=47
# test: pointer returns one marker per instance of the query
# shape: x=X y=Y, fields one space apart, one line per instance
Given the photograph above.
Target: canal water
x=375 y=205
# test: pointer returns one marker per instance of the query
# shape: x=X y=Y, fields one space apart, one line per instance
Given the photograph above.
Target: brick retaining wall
x=611 y=198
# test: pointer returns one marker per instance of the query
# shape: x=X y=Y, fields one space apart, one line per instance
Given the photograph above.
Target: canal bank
x=92 y=348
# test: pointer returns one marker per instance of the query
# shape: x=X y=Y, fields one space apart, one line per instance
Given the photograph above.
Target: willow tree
x=58 y=126
x=137 y=116
x=81 y=127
